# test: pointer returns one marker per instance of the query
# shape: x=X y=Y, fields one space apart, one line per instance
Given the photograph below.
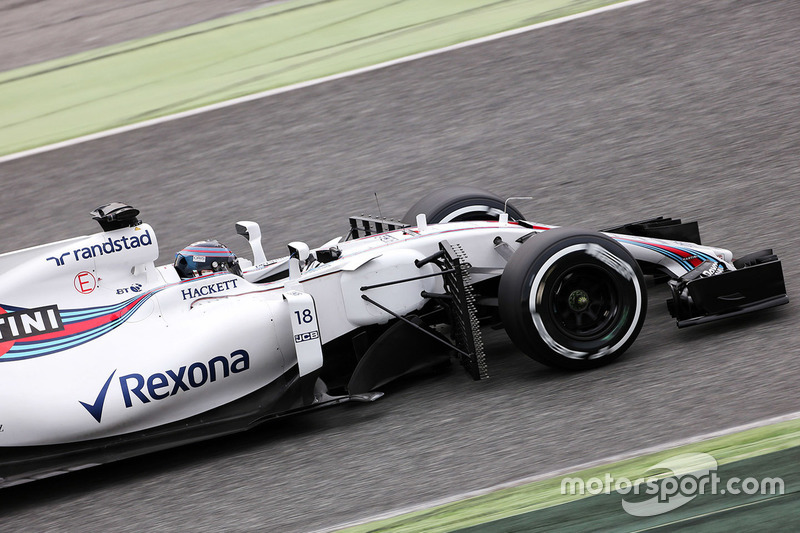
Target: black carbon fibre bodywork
x=703 y=295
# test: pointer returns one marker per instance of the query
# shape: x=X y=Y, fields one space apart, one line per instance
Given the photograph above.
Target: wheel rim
x=585 y=302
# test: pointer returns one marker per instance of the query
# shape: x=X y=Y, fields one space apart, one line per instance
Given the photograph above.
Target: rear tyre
x=572 y=299
x=458 y=203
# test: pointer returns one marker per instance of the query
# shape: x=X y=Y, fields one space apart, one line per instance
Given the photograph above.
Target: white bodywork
x=129 y=346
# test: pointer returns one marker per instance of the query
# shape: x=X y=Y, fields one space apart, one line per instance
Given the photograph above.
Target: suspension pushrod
x=416 y=326
x=368 y=287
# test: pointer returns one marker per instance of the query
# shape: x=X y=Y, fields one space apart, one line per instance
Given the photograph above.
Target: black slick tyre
x=572 y=299
x=459 y=203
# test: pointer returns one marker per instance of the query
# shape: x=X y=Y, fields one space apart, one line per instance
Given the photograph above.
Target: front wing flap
x=710 y=292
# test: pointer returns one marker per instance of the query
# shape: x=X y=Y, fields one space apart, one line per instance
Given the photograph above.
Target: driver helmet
x=206 y=257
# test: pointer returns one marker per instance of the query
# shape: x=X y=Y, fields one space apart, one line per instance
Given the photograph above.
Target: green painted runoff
x=527 y=501
x=242 y=54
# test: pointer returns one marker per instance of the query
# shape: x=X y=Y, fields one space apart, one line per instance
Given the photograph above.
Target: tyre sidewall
x=529 y=283
x=457 y=203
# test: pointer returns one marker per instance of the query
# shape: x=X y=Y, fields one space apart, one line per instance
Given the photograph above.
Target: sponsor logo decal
x=302 y=337
x=28 y=323
x=162 y=385
x=96 y=409
x=139 y=389
x=28 y=333
x=107 y=247
x=712 y=270
x=207 y=290
x=85 y=282
x=136 y=287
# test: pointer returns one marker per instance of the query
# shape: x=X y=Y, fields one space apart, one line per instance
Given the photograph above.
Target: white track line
x=569 y=470
x=310 y=83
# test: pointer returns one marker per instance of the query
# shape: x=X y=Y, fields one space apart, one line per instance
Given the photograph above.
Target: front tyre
x=572 y=299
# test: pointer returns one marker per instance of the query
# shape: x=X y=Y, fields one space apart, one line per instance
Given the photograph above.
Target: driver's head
x=206 y=257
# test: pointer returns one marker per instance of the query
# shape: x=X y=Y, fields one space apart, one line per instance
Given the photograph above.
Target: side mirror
x=300 y=250
x=252 y=232
x=298 y=255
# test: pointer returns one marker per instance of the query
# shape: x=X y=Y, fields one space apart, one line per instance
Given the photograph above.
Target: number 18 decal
x=305 y=317
x=307 y=341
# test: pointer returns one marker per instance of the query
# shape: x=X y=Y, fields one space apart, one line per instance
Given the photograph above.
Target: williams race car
x=104 y=355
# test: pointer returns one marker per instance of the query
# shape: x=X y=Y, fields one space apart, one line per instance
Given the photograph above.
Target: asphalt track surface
x=677 y=107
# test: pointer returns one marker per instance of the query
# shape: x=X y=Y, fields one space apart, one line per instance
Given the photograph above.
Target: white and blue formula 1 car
x=104 y=355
